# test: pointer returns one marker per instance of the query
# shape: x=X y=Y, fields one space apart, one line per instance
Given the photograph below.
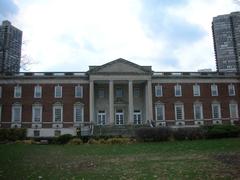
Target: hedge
x=13 y=134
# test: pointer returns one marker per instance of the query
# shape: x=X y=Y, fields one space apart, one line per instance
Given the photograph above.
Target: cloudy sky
x=70 y=35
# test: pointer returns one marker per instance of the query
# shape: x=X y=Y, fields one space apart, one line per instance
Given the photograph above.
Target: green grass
x=202 y=159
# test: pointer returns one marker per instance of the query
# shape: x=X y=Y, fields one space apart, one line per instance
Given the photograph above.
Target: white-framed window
x=119 y=92
x=137 y=117
x=216 y=111
x=78 y=91
x=37 y=91
x=57 y=133
x=78 y=113
x=37 y=113
x=178 y=90
x=231 y=90
x=214 y=90
x=36 y=133
x=58 y=91
x=158 y=91
x=198 y=111
x=101 y=117
x=57 y=113
x=160 y=112
x=233 y=109
x=179 y=112
x=196 y=90
x=101 y=93
x=17 y=91
x=0 y=91
x=119 y=117
x=136 y=92
x=16 y=113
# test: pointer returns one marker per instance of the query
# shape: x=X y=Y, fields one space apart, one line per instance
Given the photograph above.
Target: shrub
x=29 y=141
x=75 y=141
x=93 y=141
x=222 y=131
x=188 y=133
x=119 y=141
x=63 y=139
x=153 y=134
x=12 y=134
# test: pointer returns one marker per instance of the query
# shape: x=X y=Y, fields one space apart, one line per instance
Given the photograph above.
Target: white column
x=130 y=102
x=150 y=108
x=146 y=103
x=111 y=103
x=91 y=102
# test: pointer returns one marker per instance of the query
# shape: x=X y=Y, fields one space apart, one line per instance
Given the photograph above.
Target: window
x=231 y=90
x=37 y=113
x=160 y=112
x=0 y=91
x=57 y=113
x=119 y=117
x=58 y=91
x=137 y=117
x=119 y=92
x=216 y=111
x=136 y=92
x=17 y=92
x=196 y=90
x=0 y=113
x=57 y=133
x=101 y=93
x=198 y=111
x=214 y=90
x=233 y=109
x=178 y=90
x=37 y=91
x=78 y=91
x=36 y=133
x=179 y=112
x=16 y=113
x=78 y=113
x=101 y=118
x=158 y=91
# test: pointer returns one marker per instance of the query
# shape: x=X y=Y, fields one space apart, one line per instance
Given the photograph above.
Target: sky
x=70 y=35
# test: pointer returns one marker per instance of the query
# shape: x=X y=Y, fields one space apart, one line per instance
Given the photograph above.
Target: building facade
x=226 y=36
x=10 y=47
x=117 y=94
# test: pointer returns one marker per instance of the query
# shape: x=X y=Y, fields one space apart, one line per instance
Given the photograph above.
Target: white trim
x=13 y=113
x=158 y=88
x=136 y=114
x=101 y=114
x=214 y=88
x=33 y=113
x=178 y=87
x=122 y=113
x=163 y=111
x=78 y=88
x=196 y=90
x=57 y=107
x=35 y=91
x=182 y=109
x=219 y=110
x=236 y=110
x=55 y=91
x=17 y=91
x=201 y=110
x=231 y=87
x=76 y=106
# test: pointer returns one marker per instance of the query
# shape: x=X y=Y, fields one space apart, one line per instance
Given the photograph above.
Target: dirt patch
x=229 y=159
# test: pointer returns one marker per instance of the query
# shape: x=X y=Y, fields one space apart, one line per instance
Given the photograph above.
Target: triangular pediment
x=120 y=66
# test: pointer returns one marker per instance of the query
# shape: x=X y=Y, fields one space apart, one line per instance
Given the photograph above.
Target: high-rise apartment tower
x=10 y=47
x=226 y=36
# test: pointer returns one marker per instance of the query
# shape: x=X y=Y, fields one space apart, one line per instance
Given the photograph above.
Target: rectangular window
x=214 y=90
x=57 y=114
x=216 y=111
x=57 y=133
x=58 y=92
x=119 y=92
x=196 y=90
x=37 y=92
x=160 y=112
x=233 y=108
x=78 y=91
x=16 y=113
x=101 y=93
x=36 y=133
x=37 y=113
x=136 y=92
x=0 y=91
x=119 y=116
x=178 y=90
x=78 y=113
x=179 y=112
x=101 y=118
x=198 y=111
x=17 y=92
x=231 y=90
x=137 y=118
x=158 y=91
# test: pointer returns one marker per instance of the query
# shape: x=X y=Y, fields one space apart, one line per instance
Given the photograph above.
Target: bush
x=119 y=141
x=188 y=133
x=222 y=131
x=29 y=141
x=63 y=139
x=75 y=141
x=12 y=134
x=93 y=141
x=153 y=134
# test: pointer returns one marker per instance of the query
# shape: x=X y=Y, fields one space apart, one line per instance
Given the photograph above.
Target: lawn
x=200 y=159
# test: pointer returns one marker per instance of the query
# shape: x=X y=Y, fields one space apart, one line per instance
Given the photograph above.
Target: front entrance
x=101 y=118
x=119 y=117
x=137 y=117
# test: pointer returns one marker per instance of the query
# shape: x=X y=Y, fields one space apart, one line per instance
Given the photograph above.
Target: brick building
x=117 y=94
